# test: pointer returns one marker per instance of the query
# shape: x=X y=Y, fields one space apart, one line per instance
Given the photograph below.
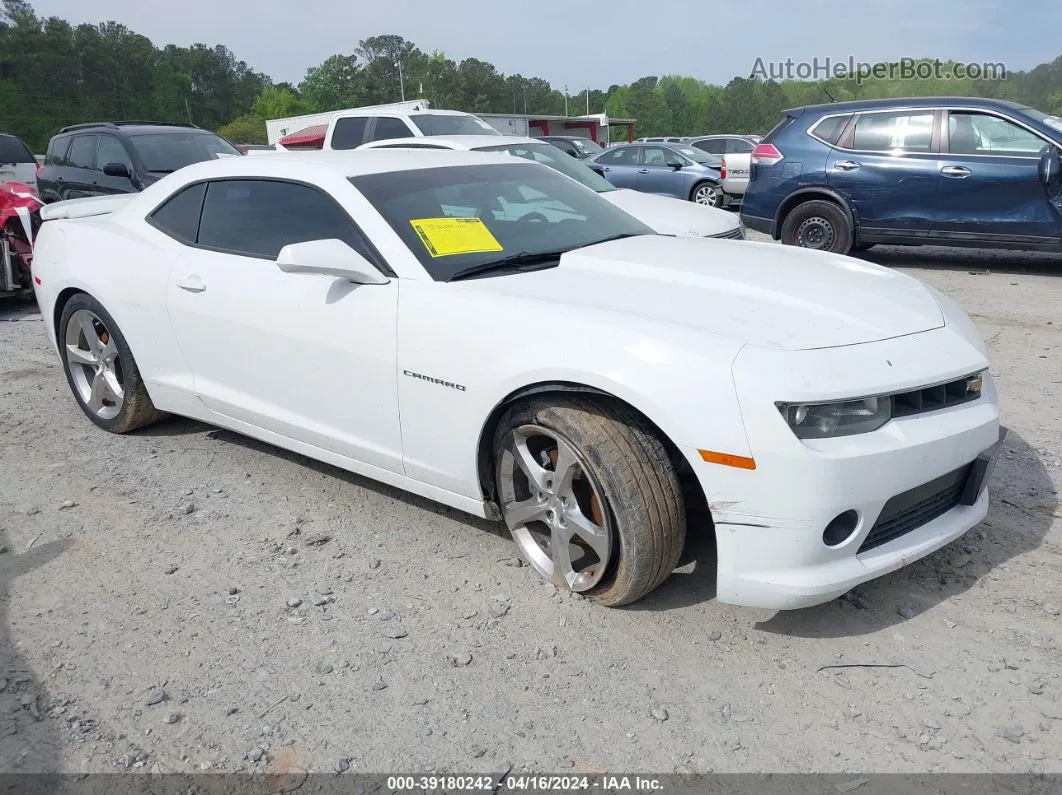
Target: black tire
x=635 y=475
x=137 y=410
x=819 y=225
x=720 y=197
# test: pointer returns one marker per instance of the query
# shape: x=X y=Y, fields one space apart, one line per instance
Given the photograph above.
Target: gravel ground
x=186 y=599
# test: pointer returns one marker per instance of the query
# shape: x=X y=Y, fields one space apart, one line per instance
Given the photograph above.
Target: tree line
x=53 y=73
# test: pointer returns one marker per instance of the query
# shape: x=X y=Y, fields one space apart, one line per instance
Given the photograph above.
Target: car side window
x=349 y=133
x=830 y=128
x=657 y=156
x=178 y=216
x=111 y=150
x=738 y=146
x=984 y=134
x=390 y=127
x=627 y=156
x=57 y=149
x=258 y=217
x=83 y=151
x=713 y=146
x=902 y=131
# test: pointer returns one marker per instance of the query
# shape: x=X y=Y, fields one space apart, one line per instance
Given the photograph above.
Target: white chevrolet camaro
x=606 y=391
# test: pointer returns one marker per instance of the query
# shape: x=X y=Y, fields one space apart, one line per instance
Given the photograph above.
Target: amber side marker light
x=726 y=459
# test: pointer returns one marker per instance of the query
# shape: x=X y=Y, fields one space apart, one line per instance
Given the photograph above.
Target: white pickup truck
x=349 y=129
x=736 y=151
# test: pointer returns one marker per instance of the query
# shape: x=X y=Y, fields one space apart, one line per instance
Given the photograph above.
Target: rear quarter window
x=56 y=154
x=179 y=215
x=830 y=128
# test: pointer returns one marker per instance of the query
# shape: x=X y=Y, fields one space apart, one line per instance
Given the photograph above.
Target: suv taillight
x=766 y=155
x=722 y=169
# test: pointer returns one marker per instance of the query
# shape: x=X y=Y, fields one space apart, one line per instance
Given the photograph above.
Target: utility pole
x=566 y=100
x=588 y=102
x=401 y=80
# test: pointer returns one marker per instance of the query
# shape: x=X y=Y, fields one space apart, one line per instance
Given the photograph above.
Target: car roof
x=456 y=142
x=346 y=163
x=851 y=106
x=398 y=112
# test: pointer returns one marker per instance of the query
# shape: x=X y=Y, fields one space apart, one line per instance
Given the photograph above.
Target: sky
x=580 y=43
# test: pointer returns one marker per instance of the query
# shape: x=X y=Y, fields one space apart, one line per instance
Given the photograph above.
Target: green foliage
x=53 y=73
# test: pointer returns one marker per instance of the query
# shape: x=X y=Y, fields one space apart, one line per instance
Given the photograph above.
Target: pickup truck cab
x=349 y=129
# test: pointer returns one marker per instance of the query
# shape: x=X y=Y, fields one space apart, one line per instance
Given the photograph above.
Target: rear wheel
x=708 y=194
x=818 y=225
x=100 y=368
x=590 y=496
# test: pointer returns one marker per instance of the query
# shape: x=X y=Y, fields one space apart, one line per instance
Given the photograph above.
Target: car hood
x=673 y=216
x=761 y=294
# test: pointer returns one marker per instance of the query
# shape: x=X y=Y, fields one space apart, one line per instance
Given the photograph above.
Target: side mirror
x=675 y=164
x=1051 y=168
x=329 y=258
x=117 y=170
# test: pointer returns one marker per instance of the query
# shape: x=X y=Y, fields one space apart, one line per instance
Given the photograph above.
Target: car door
x=990 y=186
x=656 y=176
x=621 y=166
x=80 y=175
x=308 y=357
x=111 y=151
x=886 y=165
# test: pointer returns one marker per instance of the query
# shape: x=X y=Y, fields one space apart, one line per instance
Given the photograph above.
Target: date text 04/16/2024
x=523 y=783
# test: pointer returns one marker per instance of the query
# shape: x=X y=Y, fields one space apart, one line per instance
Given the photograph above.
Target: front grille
x=912 y=509
x=931 y=398
x=733 y=234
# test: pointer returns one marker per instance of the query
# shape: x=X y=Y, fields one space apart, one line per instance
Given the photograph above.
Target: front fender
x=460 y=358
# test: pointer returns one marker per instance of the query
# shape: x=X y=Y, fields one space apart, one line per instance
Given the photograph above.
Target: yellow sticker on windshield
x=444 y=237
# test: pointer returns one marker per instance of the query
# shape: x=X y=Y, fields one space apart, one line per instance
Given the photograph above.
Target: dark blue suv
x=951 y=171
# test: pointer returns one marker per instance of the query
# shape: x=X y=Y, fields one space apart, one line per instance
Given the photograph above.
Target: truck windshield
x=452 y=124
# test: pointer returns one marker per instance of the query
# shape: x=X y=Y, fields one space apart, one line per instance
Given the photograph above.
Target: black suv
x=104 y=158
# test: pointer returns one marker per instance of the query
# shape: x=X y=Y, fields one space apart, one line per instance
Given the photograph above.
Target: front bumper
x=769 y=521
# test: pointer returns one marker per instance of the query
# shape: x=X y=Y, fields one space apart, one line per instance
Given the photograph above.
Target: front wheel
x=708 y=195
x=818 y=225
x=590 y=496
x=100 y=368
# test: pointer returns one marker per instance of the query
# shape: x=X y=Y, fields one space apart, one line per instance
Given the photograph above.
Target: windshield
x=590 y=147
x=549 y=155
x=452 y=124
x=461 y=216
x=167 y=152
x=694 y=154
x=13 y=150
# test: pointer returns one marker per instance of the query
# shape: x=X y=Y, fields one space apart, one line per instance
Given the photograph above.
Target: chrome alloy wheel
x=92 y=358
x=553 y=507
x=709 y=195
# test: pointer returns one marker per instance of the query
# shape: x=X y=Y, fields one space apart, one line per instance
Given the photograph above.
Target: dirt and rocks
x=185 y=599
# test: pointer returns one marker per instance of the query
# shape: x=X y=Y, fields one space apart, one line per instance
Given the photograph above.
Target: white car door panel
x=306 y=356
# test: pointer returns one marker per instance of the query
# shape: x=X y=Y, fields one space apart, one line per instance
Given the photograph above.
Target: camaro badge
x=431 y=380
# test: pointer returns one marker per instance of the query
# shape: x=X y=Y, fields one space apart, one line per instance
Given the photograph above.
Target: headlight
x=845 y=418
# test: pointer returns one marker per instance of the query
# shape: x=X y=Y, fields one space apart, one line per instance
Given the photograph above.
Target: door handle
x=846 y=165
x=192 y=284
x=959 y=172
x=643 y=171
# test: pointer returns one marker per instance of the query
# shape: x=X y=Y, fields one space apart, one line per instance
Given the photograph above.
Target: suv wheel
x=818 y=225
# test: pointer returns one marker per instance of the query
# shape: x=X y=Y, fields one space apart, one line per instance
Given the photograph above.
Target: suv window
x=390 y=127
x=83 y=151
x=13 y=150
x=178 y=216
x=112 y=151
x=713 y=146
x=257 y=218
x=57 y=147
x=627 y=156
x=739 y=146
x=349 y=133
x=830 y=128
x=903 y=131
x=983 y=134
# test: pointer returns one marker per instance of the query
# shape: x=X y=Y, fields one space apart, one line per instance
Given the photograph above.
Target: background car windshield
x=13 y=150
x=451 y=124
x=527 y=209
x=588 y=146
x=166 y=152
x=549 y=155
